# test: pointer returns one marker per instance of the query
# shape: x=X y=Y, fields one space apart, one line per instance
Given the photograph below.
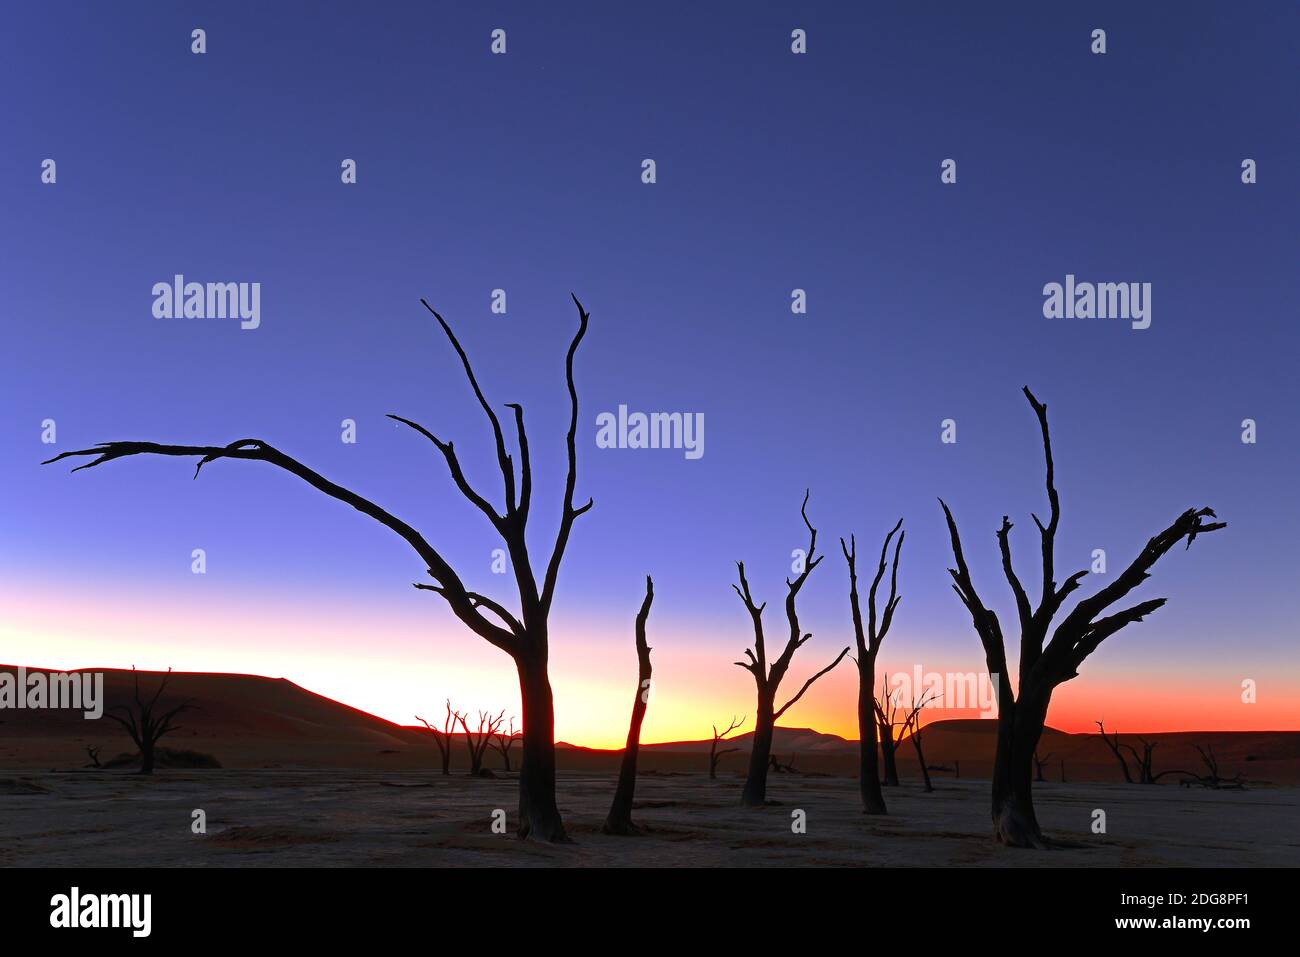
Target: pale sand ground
x=396 y=818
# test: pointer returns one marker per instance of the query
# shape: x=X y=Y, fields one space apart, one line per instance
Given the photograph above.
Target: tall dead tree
x=868 y=642
x=524 y=637
x=1044 y=663
x=716 y=753
x=477 y=742
x=443 y=738
x=619 y=820
x=144 y=723
x=505 y=741
x=767 y=679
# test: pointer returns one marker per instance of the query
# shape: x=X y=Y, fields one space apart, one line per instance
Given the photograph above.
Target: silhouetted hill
x=250 y=721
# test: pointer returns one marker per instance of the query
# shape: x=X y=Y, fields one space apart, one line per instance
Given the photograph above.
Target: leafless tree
x=1145 y=775
x=92 y=752
x=886 y=707
x=144 y=723
x=716 y=753
x=525 y=638
x=505 y=741
x=478 y=741
x=1116 y=749
x=780 y=768
x=1039 y=765
x=1212 y=778
x=442 y=738
x=1141 y=761
x=767 y=679
x=1045 y=664
x=619 y=820
x=868 y=642
x=912 y=724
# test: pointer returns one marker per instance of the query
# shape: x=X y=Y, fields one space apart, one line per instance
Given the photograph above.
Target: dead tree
x=477 y=742
x=504 y=742
x=868 y=642
x=93 y=753
x=715 y=753
x=144 y=723
x=767 y=679
x=1212 y=778
x=525 y=637
x=1114 y=744
x=1045 y=664
x=1062 y=770
x=443 y=738
x=912 y=723
x=886 y=710
x=780 y=768
x=619 y=820
x=1039 y=765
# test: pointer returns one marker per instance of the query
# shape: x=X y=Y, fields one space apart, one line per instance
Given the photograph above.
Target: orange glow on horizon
x=406 y=659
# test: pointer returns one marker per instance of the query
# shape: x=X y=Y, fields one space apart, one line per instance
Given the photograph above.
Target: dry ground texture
x=331 y=817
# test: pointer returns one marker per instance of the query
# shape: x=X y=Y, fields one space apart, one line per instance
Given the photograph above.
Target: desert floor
x=272 y=818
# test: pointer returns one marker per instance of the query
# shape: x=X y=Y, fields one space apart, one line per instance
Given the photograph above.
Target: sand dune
x=252 y=722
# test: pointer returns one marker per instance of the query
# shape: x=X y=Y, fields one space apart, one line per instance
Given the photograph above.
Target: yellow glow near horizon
x=400 y=663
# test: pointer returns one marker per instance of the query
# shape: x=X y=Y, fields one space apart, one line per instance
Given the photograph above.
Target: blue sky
x=775 y=172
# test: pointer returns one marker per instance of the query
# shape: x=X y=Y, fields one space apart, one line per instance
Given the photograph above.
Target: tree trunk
x=887 y=751
x=146 y=756
x=920 y=756
x=619 y=820
x=1020 y=725
x=755 y=792
x=873 y=801
x=539 y=818
x=446 y=757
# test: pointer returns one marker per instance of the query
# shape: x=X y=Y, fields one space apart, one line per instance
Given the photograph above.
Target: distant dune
x=248 y=721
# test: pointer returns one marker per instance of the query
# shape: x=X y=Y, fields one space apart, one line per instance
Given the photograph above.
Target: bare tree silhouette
x=1039 y=765
x=145 y=726
x=505 y=741
x=886 y=707
x=1212 y=778
x=716 y=753
x=1145 y=775
x=1115 y=748
x=525 y=638
x=477 y=742
x=619 y=820
x=780 y=768
x=92 y=752
x=768 y=679
x=868 y=643
x=1045 y=664
x=912 y=728
x=443 y=738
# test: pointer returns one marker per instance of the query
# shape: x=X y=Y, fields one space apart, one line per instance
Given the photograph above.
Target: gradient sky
x=775 y=171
